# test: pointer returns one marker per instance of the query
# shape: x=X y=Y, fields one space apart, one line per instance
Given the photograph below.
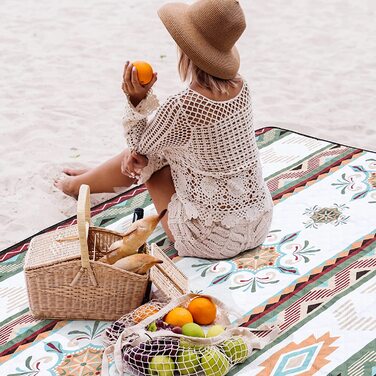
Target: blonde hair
x=189 y=71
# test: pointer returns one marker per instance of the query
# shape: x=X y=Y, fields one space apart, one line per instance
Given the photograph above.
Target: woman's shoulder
x=172 y=104
x=176 y=101
x=173 y=101
x=191 y=100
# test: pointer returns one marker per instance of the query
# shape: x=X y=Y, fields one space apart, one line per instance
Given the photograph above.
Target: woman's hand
x=133 y=164
x=131 y=85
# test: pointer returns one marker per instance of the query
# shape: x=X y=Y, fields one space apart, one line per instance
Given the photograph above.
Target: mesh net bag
x=175 y=355
x=153 y=347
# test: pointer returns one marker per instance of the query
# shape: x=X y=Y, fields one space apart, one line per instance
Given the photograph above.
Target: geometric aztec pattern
x=313 y=278
x=319 y=292
x=343 y=278
x=302 y=358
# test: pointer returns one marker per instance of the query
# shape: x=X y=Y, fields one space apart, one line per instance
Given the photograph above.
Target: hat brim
x=221 y=64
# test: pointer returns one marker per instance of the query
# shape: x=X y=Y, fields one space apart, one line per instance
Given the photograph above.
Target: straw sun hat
x=206 y=31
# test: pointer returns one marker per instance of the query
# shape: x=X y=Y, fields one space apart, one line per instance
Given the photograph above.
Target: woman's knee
x=161 y=176
x=161 y=189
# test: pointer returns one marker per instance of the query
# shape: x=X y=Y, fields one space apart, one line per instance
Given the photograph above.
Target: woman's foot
x=100 y=179
x=74 y=172
x=68 y=186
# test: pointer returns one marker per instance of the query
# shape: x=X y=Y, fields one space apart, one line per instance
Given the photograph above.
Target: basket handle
x=83 y=225
x=83 y=222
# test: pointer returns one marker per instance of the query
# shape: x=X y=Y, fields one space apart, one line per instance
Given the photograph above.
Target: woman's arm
x=140 y=103
x=168 y=128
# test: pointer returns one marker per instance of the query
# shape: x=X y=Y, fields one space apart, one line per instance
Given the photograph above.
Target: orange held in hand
x=178 y=316
x=203 y=311
x=144 y=72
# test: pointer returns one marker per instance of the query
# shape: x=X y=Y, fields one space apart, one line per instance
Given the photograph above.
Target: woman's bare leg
x=103 y=178
x=161 y=188
x=108 y=175
x=74 y=171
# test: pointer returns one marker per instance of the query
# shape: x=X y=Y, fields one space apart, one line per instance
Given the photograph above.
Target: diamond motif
x=300 y=358
x=296 y=361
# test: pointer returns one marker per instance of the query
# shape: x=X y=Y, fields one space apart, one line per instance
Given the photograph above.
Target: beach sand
x=311 y=66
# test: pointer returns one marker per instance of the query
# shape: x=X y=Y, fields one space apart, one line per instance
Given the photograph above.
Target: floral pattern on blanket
x=319 y=216
x=70 y=349
x=361 y=183
x=261 y=266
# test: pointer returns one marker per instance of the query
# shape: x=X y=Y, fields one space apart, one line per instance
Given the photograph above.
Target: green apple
x=215 y=330
x=236 y=349
x=188 y=345
x=162 y=365
x=192 y=330
x=187 y=362
x=214 y=363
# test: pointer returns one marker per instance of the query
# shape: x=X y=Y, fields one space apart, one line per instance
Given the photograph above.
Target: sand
x=311 y=66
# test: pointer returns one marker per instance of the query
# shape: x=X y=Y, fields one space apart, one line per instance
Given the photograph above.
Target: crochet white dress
x=222 y=205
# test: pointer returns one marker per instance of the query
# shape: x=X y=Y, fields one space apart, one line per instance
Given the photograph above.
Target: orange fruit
x=203 y=310
x=144 y=72
x=143 y=312
x=178 y=316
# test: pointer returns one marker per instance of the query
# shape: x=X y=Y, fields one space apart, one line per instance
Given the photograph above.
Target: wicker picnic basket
x=65 y=280
x=169 y=280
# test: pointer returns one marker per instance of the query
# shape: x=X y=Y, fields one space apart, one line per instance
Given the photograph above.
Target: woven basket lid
x=46 y=250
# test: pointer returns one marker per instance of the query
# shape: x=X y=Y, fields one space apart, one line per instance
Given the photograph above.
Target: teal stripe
x=25 y=334
x=12 y=264
x=271 y=136
x=13 y=317
x=344 y=367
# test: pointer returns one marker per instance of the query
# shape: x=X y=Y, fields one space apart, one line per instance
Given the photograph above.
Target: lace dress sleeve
x=167 y=129
x=135 y=118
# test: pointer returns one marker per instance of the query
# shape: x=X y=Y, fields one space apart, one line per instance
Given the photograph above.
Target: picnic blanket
x=314 y=276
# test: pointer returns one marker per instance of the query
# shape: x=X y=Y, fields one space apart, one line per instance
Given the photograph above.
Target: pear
x=192 y=330
x=133 y=239
x=139 y=263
